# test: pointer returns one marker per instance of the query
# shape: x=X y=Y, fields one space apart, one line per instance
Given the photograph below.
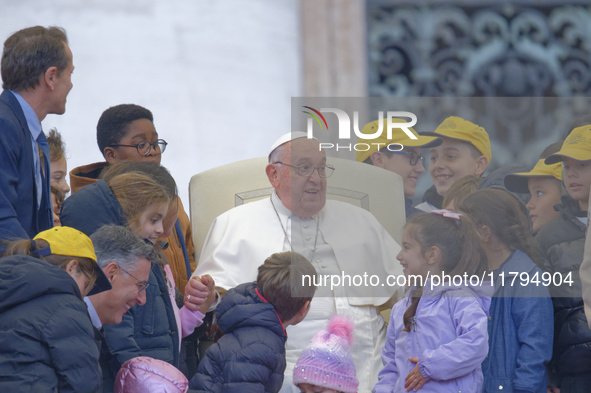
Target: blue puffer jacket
x=46 y=337
x=91 y=208
x=250 y=357
x=147 y=330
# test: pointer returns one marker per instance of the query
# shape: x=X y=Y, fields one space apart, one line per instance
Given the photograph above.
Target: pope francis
x=340 y=239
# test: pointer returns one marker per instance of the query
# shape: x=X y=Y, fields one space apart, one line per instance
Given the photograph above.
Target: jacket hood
x=24 y=278
x=496 y=179
x=564 y=229
x=85 y=175
x=482 y=292
x=569 y=208
x=431 y=196
x=243 y=307
x=91 y=208
x=144 y=374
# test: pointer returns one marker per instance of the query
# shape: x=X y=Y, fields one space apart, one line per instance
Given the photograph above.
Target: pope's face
x=305 y=196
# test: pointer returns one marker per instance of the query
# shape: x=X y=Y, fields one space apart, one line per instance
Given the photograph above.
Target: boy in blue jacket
x=253 y=316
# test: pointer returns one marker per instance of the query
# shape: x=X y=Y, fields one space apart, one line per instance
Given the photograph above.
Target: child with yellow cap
x=399 y=154
x=544 y=184
x=465 y=151
x=46 y=336
x=562 y=242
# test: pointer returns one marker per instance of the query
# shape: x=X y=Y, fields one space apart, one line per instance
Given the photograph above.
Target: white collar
x=94 y=318
x=281 y=209
x=284 y=211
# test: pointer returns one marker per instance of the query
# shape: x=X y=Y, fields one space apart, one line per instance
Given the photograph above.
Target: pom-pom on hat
x=327 y=360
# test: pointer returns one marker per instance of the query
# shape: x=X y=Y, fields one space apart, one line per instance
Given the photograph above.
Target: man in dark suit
x=36 y=72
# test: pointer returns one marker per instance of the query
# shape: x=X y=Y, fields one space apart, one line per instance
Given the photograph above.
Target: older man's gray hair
x=118 y=244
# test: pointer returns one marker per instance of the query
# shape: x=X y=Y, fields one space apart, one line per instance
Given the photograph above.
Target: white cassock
x=342 y=240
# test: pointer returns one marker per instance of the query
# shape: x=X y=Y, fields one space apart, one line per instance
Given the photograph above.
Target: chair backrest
x=216 y=190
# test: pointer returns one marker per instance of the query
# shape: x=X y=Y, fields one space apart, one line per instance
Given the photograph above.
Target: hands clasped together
x=200 y=293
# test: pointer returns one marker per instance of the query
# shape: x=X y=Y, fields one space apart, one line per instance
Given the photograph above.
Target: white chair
x=216 y=190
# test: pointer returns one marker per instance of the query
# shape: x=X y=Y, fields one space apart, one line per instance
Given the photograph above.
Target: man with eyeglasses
x=126 y=261
x=338 y=238
x=399 y=154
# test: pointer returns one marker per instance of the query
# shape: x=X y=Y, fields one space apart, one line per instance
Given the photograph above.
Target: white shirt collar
x=30 y=115
x=96 y=321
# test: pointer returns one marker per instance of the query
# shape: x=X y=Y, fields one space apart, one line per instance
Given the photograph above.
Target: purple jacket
x=449 y=337
x=145 y=375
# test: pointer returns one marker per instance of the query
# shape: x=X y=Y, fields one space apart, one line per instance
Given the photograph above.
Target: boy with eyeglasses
x=408 y=162
x=465 y=151
x=126 y=132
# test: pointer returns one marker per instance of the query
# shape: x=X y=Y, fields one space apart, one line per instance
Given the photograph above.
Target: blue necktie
x=44 y=146
x=45 y=181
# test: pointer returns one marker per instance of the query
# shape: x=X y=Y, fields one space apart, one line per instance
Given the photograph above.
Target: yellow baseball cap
x=398 y=136
x=517 y=182
x=73 y=243
x=576 y=146
x=455 y=127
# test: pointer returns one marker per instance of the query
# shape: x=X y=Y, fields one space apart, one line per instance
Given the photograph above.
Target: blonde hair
x=135 y=193
x=458 y=191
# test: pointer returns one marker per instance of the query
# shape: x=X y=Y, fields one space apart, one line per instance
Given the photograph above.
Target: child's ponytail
x=411 y=311
x=473 y=259
x=23 y=247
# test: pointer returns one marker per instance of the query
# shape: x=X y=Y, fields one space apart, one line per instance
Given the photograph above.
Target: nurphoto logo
x=345 y=127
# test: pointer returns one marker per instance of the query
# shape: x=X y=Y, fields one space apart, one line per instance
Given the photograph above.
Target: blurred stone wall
x=487 y=48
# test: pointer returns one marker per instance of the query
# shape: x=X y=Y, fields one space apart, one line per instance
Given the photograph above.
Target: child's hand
x=197 y=293
x=414 y=379
x=208 y=281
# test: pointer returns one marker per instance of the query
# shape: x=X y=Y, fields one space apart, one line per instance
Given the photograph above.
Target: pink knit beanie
x=326 y=361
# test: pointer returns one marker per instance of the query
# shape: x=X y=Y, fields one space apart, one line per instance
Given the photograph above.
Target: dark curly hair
x=112 y=125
